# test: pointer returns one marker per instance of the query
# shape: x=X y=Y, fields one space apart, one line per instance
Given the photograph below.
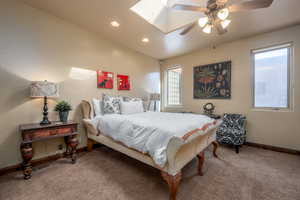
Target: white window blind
x=174 y=86
x=271 y=77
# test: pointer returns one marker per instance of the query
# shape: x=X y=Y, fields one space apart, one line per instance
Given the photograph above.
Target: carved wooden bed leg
x=216 y=145
x=201 y=157
x=173 y=182
x=90 y=144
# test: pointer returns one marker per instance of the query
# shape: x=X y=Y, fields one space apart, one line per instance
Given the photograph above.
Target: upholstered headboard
x=86 y=112
x=86 y=109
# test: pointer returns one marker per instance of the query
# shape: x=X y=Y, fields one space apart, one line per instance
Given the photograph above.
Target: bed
x=174 y=153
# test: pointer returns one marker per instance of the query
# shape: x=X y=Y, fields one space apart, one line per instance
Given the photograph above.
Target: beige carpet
x=107 y=175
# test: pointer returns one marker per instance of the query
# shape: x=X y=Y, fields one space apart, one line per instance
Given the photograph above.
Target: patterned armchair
x=233 y=130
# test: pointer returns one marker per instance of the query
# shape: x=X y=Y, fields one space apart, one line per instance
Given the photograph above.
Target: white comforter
x=150 y=132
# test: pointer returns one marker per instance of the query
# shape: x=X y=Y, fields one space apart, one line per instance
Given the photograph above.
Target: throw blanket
x=150 y=132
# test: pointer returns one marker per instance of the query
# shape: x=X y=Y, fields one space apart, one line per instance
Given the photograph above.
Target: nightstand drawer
x=39 y=134
x=61 y=131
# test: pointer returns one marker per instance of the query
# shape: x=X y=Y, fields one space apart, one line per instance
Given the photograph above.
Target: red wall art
x=123 y=82
x=105 y=79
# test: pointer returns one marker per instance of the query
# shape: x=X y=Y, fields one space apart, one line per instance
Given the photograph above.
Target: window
x=272 y=77
x=173 y=88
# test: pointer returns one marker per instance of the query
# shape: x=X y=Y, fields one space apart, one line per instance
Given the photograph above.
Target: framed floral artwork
x=105 y=79
x=123 y=82
x=213 y=81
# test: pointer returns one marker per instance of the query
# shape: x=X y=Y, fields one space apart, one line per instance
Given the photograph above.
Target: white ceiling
x=96 y=15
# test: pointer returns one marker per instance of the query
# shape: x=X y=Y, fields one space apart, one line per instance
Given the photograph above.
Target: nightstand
x=214 y=116
x=211 y=115
x=35 y=132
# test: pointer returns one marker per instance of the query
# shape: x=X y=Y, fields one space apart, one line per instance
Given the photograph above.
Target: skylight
x=160 y=14
x=164 y=2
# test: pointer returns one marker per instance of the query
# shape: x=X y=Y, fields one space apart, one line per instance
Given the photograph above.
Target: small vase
x=63 y=116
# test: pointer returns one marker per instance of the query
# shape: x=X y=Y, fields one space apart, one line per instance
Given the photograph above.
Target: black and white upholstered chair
x=233 y=130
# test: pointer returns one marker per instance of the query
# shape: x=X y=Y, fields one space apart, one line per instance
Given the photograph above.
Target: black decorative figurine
x=209 y=109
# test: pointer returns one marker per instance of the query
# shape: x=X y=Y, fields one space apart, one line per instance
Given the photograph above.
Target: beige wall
x=37 y=46
x=266 y=127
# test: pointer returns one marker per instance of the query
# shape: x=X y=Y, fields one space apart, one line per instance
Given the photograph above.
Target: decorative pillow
x=131 y=107
x=111 y=105
x=97 y=106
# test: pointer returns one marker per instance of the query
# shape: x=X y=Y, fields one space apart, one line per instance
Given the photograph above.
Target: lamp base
x=45 y=113
x=45 y=122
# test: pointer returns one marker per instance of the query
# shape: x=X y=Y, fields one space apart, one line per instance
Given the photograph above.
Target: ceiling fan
x=217 y=12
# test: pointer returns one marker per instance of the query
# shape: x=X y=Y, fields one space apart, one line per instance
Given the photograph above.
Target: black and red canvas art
x=105 y=79
x=123 y=82
x=213 y=81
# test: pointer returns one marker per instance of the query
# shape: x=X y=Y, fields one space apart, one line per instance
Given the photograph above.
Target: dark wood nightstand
x=35 y=132
x=214 y=116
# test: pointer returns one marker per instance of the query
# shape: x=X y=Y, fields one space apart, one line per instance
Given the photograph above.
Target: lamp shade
x=43 y=89
x=155 y=97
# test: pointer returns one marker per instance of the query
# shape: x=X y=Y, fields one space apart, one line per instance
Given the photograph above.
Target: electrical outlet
x=60 y=147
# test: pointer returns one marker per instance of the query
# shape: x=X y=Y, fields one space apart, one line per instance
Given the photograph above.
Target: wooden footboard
x=179 y=153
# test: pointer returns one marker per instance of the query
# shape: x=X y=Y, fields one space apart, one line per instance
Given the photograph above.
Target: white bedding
x=150 y=132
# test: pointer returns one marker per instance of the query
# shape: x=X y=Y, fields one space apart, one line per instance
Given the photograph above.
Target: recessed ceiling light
x=145 y=40
x=114 y=24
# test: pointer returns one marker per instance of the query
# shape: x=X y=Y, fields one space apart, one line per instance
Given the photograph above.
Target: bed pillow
x=97 y=107
x=127 y=99
x=111 y=104
x=131 y=107
x=145 y=103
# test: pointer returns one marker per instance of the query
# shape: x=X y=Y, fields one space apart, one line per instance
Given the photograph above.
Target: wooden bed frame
x=178 y=156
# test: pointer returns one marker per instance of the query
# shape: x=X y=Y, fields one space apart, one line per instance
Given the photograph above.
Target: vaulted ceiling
x=96 y=15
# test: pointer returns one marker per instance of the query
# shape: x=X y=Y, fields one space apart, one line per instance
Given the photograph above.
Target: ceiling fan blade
x=250 y=5
x=220 y=29
x=231 y=2
x=189 y=8
x=187 y=29
x=221 y=2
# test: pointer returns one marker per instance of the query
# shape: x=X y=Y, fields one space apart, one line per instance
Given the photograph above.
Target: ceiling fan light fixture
x=225 y=23
x=223 y=14
x=202 y=21
x=115 y=24
x=145 y=40
x=207 y=29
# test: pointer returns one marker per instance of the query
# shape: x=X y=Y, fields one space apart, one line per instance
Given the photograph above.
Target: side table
x=214 y=116
x=35 y=132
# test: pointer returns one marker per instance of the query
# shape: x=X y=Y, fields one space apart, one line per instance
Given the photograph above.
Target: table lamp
x=44 y=89
x=154 y=97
